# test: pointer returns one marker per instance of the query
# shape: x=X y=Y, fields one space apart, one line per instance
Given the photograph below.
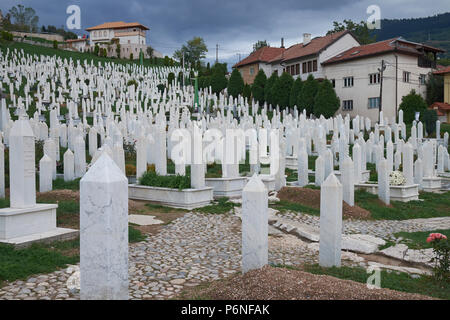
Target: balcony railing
x=424 y=62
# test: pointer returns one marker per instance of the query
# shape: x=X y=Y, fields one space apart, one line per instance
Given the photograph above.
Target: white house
x=357 y=80
x=124 y=32
x=303 y=59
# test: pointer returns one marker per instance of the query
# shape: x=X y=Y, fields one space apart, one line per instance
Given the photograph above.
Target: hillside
x=434 y=31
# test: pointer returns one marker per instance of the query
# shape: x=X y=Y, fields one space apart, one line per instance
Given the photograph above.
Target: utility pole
x=217 y=53
x=183 y=69
x=381 y=70
x=239 y=56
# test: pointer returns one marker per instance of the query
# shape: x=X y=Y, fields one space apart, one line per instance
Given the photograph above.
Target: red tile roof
x=314 y=47
x=117 y=25
x=264 y=54
x=441 y=108
x=442 y=70
x=381 y=47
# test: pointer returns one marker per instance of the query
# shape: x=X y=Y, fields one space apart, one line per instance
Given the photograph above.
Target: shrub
x=55 y=44
x=236 y=84
x=218 y=81
x=131 y=56
x=96 y=49
x=152 y=179
x=7 y=36
x=326 y=102
x=130 y=170
x=171 y=78
x=161 y=87
x=429 y=117
x=441 y=250
x=247 y=92
x=258 y=87
x=132 y=82
x=411 y=104
x=282 y=89
x=118 y=50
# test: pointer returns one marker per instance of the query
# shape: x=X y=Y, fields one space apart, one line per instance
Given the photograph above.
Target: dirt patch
x=271 y=283
x=311 y=198
x=57 y=195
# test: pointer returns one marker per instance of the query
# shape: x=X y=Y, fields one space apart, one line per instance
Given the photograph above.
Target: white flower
x=396 y=178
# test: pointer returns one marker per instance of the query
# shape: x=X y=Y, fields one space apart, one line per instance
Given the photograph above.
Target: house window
x=406 y=75
x=304 y=70
x=309 y=66
x=297 y=68
x=374 y=103
x=374 y=78
x=314 y=65
x=422 y=79
x=252 y=71
x=104 y=33
x=333 y=83
x=348 y=82
x=347 y=105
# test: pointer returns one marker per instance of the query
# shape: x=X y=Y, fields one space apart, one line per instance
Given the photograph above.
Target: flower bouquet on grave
x=396 y=178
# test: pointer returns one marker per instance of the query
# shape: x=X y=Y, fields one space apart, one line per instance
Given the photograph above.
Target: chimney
x=306 y=38
x=282 y=43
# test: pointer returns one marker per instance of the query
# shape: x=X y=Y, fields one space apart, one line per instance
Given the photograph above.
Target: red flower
x=436 y=236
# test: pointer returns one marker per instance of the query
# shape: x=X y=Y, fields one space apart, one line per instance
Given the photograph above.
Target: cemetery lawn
x=418 y=240
x=367 y=206
x=399 y=281
x=221 y=206
x=293 y=283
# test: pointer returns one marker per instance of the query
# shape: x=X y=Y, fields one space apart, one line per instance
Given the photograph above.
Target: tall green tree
x=308 y=94
x=326 y=102
x=260 y=44
x=194 y=50
x=24 y=19
x=218 y=81
x=435 y=89
x=360 y=30
x=268 y=89
x=235 y=84
x=411 y=104
x=295 y=91
x=247 y=92
x=282 y=89
x=258 y=87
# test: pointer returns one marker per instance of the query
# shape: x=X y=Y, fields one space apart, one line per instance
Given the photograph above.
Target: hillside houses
x=354 y=72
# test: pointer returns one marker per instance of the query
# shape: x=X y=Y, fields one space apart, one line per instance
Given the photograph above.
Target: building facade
x=122 y=32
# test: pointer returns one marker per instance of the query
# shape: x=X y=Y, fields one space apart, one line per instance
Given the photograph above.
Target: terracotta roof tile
x=442 y=70
x=315 y=46
x=390 y=45
x=117 y=25
x=264 y=54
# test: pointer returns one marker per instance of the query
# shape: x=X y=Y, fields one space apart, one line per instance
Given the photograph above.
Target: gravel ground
x=271 y=283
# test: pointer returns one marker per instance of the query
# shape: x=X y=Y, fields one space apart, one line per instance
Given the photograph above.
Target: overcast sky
x=233 y=24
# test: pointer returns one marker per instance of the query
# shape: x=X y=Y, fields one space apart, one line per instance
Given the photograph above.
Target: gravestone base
x=431 y=184
x=24 y=226
x=268 y=180
x=226 y=187
x=291 y=162
x=184 y=199
x=397 y=193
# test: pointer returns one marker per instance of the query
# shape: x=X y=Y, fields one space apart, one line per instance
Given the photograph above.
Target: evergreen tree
x=218 y=81
x=235 y=84
x=411 y=104
x=307 y=94
x=268 y=88
x=295 y=91
x=247 y=92
x=171 y=78
x=258 y=87
x=326 y=102
x=281 y=90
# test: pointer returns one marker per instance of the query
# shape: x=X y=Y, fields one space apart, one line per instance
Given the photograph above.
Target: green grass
x=59 y=184
x=221 y=207
x=433 y=205
x=285 y=205
x=21 y=263
x=418 y=240
x=134 y=235
x=425 y=285
x=152 y=179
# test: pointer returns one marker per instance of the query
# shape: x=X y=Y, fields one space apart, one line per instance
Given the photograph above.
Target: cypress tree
x=307 y=94
x=326 y=102
x=268 y=88
x=235 y=84
x=295 y=91
x=247 y=92
x=258 y=87
x=281 y=90
x=218 y=81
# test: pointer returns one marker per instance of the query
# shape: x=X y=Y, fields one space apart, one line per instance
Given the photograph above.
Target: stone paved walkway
x=378 y=228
